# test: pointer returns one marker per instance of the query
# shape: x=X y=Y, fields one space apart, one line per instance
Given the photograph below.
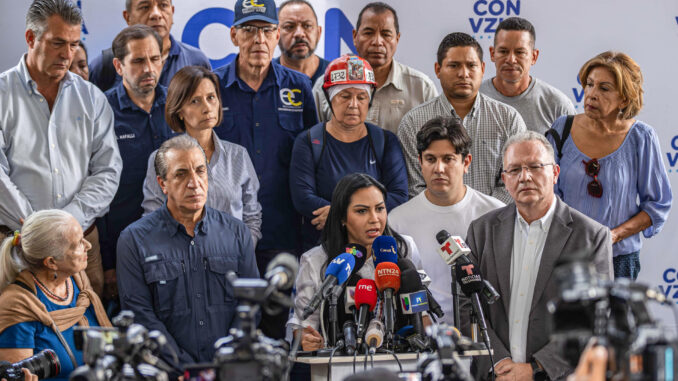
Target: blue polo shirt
x=266 y=122
x=177 y=284
x=138 y=134
x=180 y=55
x=319 y=72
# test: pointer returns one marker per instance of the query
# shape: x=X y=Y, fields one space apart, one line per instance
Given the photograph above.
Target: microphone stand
x=455 y=296
x=334 y=315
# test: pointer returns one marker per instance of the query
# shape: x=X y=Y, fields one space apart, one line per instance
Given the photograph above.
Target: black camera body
x=127 y=352
x=615 y=315
x=44 y=365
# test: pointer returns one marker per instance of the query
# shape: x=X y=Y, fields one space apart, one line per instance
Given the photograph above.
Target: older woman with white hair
x=346 y=144
x=44 y=289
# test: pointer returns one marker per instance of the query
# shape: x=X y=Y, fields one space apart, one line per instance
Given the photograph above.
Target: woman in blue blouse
x=45 y=291
x=344 y=145
x=194 y=107
x=611 y=164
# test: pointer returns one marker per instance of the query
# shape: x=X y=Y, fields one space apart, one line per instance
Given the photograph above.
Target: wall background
x=568 y=33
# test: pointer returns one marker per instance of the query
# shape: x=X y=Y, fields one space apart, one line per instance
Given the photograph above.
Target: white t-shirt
x=422 y=220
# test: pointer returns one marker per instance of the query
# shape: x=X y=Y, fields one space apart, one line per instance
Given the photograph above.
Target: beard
x=298 y=56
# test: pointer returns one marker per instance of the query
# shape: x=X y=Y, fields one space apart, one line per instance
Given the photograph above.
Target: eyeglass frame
x=531 y=169
x=253 y=30
x=594 y=188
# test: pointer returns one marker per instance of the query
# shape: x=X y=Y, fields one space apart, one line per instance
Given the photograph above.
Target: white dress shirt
x=528 y=245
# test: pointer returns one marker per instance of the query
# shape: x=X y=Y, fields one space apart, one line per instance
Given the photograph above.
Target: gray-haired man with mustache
x=138 y=103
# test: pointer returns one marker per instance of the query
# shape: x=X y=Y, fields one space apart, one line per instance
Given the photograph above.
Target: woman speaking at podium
x=358 y=215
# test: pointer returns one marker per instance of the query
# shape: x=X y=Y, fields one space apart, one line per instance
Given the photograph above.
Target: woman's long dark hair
x=334 y=236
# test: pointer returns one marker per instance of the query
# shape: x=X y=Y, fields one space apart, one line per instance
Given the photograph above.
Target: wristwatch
x=538 y=374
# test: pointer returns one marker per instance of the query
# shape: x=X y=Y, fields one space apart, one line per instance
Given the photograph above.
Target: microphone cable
x=322 y=322
x=392 y=353
x=367 y=353
x=329 y=364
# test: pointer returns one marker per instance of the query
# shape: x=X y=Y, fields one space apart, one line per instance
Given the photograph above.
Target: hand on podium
x=311 y=340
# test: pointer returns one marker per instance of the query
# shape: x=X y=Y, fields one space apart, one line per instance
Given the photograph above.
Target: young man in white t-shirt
x=443 y=147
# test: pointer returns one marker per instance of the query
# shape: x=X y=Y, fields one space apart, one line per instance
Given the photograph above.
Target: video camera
x=616 y=315
x=127 y=352
x=246 y=353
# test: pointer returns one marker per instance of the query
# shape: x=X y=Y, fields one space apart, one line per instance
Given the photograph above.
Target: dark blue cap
x=251 y=10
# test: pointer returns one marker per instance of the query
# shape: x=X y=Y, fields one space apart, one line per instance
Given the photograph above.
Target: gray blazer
x=490 y=238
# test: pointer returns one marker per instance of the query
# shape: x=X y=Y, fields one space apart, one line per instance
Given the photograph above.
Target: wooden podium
x=342 y=366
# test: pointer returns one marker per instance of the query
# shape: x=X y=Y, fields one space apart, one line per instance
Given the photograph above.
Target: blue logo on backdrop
x=673 y=156
x=670 y=288
x=578 y=93
x=337 y=28
x=489 y=13
x=84 y=27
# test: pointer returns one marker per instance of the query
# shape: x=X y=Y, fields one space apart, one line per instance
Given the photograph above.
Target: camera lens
x=44 y=365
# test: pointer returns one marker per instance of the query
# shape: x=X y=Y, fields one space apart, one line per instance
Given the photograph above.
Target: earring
x=55 y=274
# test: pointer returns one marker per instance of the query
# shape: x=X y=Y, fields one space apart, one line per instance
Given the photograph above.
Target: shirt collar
x=175 y=49
x=272 y=75
x=395 y=76
x=174 y=227
x=125 y=101
x=218 y=149
x=543 y=223
x=448 y=106
x=31 y=85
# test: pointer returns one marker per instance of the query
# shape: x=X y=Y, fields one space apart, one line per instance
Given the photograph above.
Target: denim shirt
x=266 y=122
x=177 y=284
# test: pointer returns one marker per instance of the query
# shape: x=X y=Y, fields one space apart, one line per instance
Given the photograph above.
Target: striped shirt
x=489 y=124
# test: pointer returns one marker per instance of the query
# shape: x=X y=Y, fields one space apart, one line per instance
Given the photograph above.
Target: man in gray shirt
x=399 y=87
x=513 y=53
x=489 y=123
x=57 y=143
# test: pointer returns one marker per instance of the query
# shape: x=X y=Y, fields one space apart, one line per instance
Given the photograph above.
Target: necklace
x=50 y=293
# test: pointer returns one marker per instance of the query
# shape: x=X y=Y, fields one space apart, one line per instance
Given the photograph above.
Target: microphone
x=471 y=285
x=337 y=272
x=374 y=336
x=349 y=294
x=349 y=337
x=413 y=298
x=387 y=278
x=452 y=248
x=384 y=249
x=433 y=304
x=365 y=300
x=282 y=271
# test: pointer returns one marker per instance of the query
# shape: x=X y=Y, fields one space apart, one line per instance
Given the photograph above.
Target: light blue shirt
x=64 y=159
x=233 y=185
x=633 y=178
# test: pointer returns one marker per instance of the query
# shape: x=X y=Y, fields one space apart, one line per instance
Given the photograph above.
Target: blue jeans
x=627 y=265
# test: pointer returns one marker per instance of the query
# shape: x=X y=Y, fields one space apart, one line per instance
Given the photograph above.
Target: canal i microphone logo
x=489 y=13
x=673 y=156
x=670 y=286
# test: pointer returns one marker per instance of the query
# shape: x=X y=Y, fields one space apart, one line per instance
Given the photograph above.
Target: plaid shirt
x=489 y=124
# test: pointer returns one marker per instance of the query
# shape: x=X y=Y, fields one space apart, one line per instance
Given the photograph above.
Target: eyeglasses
x=594 y=188
x=533 y=169
x=252 y=30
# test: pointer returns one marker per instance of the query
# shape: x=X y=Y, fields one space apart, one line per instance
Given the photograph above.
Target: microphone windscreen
x=359 y=253
x=409 y=280
x=469 y=278
x=387 y=275
x=385 y=249
x=366 y=293
x=406 y=264
x=442 y=236
x=341 y=267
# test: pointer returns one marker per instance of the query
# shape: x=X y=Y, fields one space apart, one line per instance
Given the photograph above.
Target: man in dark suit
x=516 y=248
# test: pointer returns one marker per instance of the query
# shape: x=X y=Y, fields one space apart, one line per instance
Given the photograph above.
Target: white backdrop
x=569 y=32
